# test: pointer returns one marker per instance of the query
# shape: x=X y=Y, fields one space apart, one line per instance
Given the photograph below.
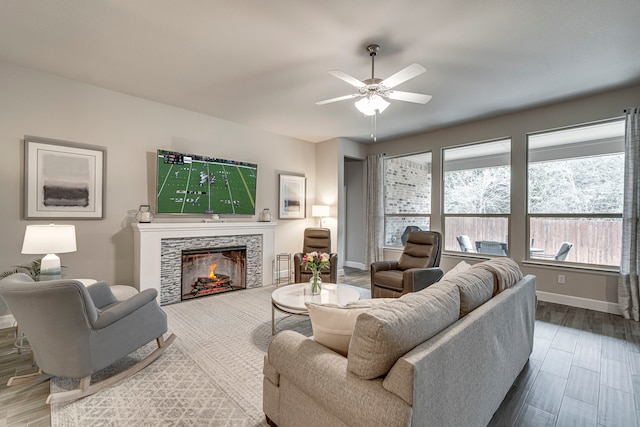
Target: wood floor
x=20 y=405
x=584 y=371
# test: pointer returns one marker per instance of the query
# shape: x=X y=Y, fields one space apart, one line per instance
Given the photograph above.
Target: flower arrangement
x=315 y=262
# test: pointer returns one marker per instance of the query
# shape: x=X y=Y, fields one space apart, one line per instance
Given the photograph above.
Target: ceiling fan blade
x=347 y=78
x=403 y=75
x=340 y=98
x=418 y=98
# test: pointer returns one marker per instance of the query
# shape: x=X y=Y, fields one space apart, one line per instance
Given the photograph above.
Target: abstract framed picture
x=292 y=197
x=63 y=180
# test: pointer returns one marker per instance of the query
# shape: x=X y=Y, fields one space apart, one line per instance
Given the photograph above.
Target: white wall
x=34 y=103
x=595 y=289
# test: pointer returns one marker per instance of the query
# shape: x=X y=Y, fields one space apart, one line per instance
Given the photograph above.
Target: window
x=407 y=185
x=477 y=197
x=575 y=193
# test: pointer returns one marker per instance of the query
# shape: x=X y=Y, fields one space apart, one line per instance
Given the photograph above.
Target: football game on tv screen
x=193 y=184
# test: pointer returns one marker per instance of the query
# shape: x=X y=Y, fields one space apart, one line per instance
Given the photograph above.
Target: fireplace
x=158 y=250
x=212 y=271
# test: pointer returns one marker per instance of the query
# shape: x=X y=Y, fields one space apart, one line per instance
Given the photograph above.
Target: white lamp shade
x=319 y=211
x=370 y=104
x=49 y=239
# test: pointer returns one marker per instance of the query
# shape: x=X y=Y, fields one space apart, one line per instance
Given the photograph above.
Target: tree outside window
x=575 y=193
x=477 y=197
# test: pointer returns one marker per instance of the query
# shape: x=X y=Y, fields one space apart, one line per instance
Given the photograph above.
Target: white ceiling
x=264 y=63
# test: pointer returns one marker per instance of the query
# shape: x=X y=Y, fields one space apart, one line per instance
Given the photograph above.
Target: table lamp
x=49 y=239
x=319 y=211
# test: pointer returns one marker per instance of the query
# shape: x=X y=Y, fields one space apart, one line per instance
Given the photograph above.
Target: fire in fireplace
x=213 y=271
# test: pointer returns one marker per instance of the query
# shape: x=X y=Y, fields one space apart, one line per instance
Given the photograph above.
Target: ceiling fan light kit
x=374 y=93
x=371 y=105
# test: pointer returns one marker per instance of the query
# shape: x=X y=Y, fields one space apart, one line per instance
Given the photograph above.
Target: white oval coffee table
x=291 y=299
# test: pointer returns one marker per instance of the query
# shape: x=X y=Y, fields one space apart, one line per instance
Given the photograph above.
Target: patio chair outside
x=491 y=248
x=465 y=243
x=562 y=253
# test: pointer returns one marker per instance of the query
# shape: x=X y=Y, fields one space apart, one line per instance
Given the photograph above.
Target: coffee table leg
x=273 y=320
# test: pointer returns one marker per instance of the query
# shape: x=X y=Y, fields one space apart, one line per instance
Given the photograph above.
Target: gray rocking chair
x=75 y=331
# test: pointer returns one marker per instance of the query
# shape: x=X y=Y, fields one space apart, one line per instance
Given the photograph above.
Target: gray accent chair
x=417 y=268
x=75 y=331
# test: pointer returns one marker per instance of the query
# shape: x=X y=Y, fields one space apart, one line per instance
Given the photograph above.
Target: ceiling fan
x=375 y=92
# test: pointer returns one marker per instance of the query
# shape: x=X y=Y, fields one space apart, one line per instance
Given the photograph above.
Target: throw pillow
x=385 y=333
x=459 y=268
x=333 y=324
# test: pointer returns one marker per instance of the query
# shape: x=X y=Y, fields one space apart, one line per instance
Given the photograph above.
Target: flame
x=212 y=271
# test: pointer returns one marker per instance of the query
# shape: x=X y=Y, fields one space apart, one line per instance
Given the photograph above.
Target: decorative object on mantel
x=265 y=215
x=144 y=214
x=292 y=204
x=315 y=262
x=63 y=179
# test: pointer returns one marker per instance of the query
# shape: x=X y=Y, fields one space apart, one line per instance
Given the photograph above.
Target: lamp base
x=50 y=268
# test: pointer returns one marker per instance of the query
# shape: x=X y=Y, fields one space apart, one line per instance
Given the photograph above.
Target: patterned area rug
x=210 y=376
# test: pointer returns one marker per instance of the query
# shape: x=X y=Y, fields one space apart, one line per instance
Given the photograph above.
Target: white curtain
x=628 y=290
x=375 y=207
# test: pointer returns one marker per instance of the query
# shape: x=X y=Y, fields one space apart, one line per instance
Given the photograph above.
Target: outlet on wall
x=561 y=279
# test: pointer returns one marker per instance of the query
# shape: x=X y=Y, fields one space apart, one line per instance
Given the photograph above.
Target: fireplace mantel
x=148 y=239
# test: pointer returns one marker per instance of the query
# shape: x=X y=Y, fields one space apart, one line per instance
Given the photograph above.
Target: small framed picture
x=292 y=197
x=63 y=180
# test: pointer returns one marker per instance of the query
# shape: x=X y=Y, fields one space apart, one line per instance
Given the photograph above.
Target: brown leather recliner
x=416 y=269
x=318 y=240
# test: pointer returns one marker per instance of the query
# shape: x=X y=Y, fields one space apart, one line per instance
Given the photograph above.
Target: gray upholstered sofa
x=443 y=356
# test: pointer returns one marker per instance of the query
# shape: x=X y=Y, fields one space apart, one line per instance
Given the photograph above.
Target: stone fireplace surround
x=157 y=244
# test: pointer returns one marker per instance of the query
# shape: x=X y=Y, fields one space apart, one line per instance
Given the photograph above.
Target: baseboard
x=7 y=321
x=354 y=264
x=590 y=304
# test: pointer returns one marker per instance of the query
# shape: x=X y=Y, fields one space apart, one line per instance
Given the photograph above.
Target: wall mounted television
x=193 y=184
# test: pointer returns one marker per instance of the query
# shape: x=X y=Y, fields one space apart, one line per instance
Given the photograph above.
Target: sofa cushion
x=333 y=324
x=475 y=286
x=459 y=268
x=383 y=334
x=505 y=271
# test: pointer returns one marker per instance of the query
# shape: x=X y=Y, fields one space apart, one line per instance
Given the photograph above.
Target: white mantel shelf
x=148 y=238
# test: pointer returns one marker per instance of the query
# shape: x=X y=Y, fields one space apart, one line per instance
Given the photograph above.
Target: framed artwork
x=292 y=197
x=63 y=180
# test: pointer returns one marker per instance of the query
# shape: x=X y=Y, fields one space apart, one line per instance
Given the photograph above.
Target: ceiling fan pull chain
x=374 y=125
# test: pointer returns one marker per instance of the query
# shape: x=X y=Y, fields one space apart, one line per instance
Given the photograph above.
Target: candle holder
x=144 y=214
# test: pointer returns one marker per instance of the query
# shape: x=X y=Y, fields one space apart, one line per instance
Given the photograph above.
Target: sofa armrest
x=322 y=375
x=416 y=279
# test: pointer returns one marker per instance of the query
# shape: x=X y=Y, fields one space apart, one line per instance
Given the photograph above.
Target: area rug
x=210 y=376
